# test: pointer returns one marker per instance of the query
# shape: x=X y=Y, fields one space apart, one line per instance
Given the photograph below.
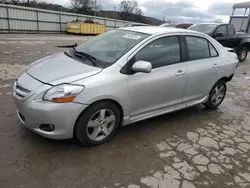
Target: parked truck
x=227 y=36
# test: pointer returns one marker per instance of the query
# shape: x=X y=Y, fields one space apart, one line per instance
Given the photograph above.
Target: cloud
x=181 y=11
x=220 y=8
x=175 y=10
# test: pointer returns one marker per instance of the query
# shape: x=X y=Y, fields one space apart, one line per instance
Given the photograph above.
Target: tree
x=83 y=6
x=16 y=2
x=131 y=7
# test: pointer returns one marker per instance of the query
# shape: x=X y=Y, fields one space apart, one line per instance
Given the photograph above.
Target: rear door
x=203 y=62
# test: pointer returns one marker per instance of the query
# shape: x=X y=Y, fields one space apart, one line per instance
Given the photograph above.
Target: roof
x=167 y=24
x=156 y=30
x=242 y=5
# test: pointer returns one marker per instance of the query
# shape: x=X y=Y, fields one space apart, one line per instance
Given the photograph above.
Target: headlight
x=62 y=93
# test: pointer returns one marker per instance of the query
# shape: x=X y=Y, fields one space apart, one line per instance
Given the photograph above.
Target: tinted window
x=222 y=29
x=197 y=48
x=230 y=30
x=161 y=52
x=213 y=52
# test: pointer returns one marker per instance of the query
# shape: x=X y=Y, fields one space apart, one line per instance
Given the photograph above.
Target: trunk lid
x=230 y=49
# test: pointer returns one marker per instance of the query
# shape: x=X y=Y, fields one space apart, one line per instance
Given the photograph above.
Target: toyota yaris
x=121 y=77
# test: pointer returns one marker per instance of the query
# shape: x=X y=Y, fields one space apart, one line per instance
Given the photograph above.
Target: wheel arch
x=246 y=44
x=119 y=106
x=226 y=79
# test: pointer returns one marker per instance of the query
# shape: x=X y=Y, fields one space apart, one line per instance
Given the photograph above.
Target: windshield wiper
x=83 y=54
x=68 y=46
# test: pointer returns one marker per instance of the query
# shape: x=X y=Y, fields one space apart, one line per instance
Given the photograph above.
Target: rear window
x=230 y=30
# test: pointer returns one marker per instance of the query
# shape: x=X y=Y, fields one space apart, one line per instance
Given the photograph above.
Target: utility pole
x=163 y=19
x=95 y=7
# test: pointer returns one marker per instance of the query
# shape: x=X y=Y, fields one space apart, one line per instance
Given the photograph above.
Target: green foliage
x=82 y=6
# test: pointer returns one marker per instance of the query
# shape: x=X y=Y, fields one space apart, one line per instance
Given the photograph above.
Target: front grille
x=19 y=91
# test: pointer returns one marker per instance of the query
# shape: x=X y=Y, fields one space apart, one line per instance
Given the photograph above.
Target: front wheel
x=98 y=123
x=242 y=54
x=216 y=95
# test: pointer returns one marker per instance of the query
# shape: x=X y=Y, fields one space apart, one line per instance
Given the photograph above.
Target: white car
x=121 y=77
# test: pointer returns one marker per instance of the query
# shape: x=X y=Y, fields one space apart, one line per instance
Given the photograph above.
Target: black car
x=226 y=35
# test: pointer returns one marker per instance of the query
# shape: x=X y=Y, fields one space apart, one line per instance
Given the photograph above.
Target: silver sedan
x=121 y=77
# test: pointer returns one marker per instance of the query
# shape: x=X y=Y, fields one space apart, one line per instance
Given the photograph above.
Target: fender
x=245 y=41
x=242 y=42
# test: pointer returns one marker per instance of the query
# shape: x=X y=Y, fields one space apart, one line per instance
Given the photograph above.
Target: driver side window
x=222 y=29
x=161 y=52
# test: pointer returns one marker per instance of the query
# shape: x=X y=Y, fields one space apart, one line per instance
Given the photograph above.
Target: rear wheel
x=98 y=123
x=216 y=95
x=242 y=54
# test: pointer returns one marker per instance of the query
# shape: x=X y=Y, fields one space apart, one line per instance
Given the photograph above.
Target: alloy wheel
x=218 y=94
x=243 y=54
x=101 y=124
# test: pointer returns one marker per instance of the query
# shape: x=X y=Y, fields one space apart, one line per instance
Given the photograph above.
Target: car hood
x=60 y=68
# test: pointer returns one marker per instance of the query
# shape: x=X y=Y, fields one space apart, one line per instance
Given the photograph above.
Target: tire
x=95 y=126
x=213 y=103
x=242 y=54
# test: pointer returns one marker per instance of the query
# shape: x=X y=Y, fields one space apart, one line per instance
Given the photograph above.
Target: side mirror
x=219 y=35
x=142 y=66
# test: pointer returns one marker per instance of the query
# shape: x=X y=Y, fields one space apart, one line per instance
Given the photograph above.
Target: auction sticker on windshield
x=130 y=36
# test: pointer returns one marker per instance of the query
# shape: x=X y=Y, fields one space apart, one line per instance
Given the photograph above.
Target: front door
x=164 y=86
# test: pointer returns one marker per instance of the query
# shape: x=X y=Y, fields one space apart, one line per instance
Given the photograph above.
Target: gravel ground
x=190 y=148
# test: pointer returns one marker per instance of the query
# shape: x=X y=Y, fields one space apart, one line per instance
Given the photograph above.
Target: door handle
x=216 y=65
x=179 y=73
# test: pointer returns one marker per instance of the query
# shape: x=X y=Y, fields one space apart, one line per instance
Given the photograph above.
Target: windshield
x=204 y=28
x=111 y=46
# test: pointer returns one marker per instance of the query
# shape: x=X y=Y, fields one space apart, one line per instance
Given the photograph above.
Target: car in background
x=133 y=25
x=121 y=77
x=226 y=35
x=175 y=25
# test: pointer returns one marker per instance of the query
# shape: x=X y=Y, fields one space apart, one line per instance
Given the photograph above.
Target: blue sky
x=176 y=10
